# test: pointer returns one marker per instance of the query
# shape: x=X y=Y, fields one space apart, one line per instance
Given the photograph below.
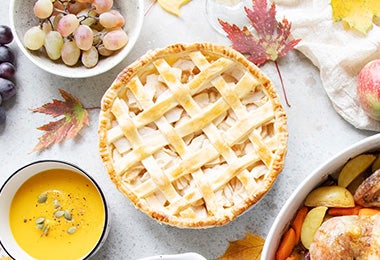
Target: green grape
x=90 y=57
x=115 y=40
x=111 y=19
x=34 y=38
x=53 y=45
x=67 y=24
x=84 y=37
x=70 y=53
x=43 y=8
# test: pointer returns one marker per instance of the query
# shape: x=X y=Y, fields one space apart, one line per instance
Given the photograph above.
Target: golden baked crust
x=192 y=134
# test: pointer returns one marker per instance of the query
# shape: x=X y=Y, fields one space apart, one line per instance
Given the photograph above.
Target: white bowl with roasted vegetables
x=76 y=38
x=335 y=212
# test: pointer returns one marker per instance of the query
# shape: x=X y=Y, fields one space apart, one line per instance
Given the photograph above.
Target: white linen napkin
x=337 y=52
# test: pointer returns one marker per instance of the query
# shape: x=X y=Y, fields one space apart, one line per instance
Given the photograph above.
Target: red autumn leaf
x=271 y=40
x=74 y=117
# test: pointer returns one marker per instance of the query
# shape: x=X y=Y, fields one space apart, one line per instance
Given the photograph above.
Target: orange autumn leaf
x=73 y=116
x=359 y=15
x=172 y=6
x=248 y=248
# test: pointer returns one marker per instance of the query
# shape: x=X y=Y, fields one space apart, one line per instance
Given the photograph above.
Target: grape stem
x=60 y=11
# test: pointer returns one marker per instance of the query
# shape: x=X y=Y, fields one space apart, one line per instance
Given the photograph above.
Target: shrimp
x=347 y=238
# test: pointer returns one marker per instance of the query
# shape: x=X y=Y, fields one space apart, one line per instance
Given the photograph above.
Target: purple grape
x=6 y=54
x=7 y=89
x=6 y=35
x=1 y=100
x=7 y=70
x=3 y=116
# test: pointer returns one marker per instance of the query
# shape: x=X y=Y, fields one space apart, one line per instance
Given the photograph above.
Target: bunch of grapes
x=73 y=30
x=7 y=69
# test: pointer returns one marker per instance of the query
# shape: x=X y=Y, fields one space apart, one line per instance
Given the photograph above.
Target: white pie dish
x=22 y=18
x=295 y=201
x=17 y=179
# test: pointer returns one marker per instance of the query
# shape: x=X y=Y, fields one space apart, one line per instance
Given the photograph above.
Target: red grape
x=6 y=54
x=6 y=35
x=7 y=89
x=2 y=115
x=7 y=70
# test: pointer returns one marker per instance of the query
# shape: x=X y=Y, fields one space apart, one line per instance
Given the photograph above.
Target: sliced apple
x=330 y=196
x=312 y=222
x=354 y=167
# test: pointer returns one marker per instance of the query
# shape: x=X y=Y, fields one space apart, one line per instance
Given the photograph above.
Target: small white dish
x=11 y=186
x=22 y=18
x=295 y=201
x=184 y=256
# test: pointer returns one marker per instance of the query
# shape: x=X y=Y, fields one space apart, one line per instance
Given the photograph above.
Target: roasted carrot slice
x=344 y=211
x=298 y=221
x=287 y=245
x=368 y=211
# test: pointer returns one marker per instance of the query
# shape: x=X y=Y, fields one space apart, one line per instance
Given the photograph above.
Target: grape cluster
x=73 y=30
x=7 y=69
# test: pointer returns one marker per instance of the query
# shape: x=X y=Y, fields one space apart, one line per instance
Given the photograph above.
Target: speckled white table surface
x=316 y=132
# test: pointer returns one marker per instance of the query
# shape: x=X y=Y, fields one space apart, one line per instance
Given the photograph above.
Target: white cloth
x=337 y=52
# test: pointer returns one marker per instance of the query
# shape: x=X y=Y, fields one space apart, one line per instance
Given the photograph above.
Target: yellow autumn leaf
x=248 y=248
x=172 y=6
x=357 y=14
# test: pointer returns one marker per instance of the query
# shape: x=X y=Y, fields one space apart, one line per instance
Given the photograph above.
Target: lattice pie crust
x=193 y=135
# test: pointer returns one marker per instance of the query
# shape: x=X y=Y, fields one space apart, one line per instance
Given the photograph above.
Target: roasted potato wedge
x=330 y=196
x=354 y=167
x=312 y=222
x=376 y=164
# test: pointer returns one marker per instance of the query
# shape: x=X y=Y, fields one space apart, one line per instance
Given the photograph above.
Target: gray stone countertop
x=316 y=133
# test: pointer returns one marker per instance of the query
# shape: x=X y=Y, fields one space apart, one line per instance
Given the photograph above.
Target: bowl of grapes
x=76 y=38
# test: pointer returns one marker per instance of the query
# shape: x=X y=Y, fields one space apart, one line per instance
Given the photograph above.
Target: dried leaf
x=74 y=117
x=248 y=248
x=272 y=39
x=356 y=14
x=172 y=6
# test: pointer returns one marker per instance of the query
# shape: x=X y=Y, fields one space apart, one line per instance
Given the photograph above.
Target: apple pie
x=192 y=134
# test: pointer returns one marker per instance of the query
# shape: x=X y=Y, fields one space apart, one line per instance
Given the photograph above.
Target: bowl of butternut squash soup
x=52 y=210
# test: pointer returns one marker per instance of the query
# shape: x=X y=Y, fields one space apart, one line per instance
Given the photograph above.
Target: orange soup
x=57 y=214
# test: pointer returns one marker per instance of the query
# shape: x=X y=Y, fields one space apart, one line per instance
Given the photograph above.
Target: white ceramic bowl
x=22 y=18
x=11 y=186
x=295 y=201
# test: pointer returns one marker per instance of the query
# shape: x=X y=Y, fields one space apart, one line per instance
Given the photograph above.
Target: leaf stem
x=150 y=7
x=91 y=108
x=282 y=83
